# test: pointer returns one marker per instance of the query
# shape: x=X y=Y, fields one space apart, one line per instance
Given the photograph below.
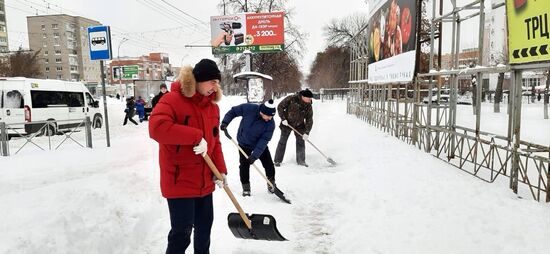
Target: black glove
x=251 y=160
x=223 y=126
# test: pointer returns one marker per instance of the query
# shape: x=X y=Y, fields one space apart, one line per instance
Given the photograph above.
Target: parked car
x=443 y=99
x=24 y=101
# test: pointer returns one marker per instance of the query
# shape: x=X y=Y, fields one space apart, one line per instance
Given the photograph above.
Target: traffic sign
x=99 y=38
x=528 y=31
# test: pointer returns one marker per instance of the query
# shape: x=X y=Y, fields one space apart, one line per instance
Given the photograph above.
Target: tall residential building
x=4 y=49
x=63 y=43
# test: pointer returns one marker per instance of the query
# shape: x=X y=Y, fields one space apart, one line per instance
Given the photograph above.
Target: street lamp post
x=120 y=67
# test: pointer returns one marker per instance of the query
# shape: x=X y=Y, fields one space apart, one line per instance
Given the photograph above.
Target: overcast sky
x=154 y=26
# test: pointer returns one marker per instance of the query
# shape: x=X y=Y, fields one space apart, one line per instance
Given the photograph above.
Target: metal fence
x=45 y=135
x=399 y=109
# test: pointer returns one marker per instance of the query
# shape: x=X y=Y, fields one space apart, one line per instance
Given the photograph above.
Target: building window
x=58 y=52
x=56 y=42
x=44 y=35
x=46 y=53
x=47 y=68
x=43 y=27
x=45 y=44
x=56 y=35
x=3 y=39
x=59 y=68
x=59 y=76
x=58 y=60
x=47 y=60
x=55 y=26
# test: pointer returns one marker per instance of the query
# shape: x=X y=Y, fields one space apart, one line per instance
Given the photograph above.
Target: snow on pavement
x=384 y=196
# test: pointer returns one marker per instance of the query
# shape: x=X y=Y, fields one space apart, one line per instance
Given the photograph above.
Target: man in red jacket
x=185 y=124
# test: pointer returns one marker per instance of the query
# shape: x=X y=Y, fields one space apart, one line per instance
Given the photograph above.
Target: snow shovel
x=255 y=226
x=331 y=161
x=277 y=192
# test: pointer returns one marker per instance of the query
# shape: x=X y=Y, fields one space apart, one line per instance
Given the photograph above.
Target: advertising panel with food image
x=392 y=42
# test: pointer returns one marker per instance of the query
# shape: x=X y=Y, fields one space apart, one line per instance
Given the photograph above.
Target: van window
x=43 y=99
x=89 y=100
x=75 y=99
x=12 y=99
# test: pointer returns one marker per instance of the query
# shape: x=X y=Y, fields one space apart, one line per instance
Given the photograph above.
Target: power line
x=200 y=21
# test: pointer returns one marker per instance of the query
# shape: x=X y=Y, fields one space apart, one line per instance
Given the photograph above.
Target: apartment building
x=4 y=49
x=63 y=43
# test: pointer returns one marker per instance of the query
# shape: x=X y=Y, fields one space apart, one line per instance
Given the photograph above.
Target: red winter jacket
x=178 y=122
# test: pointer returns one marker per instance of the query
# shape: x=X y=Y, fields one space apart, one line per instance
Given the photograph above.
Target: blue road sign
x=99 y=38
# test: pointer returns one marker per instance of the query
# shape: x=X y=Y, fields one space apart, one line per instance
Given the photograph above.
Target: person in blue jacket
x=255 y=131
x=140 y=108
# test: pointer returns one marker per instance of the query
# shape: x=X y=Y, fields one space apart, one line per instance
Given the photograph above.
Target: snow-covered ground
x=384 y=196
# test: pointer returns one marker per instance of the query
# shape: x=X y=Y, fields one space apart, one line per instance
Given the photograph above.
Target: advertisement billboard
x=128 y=72
x=257 y=32
x=528 y=36
x=392 y=42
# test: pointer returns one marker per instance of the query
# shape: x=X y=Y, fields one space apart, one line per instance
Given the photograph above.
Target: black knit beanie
x=206 y=70
x=306 y=93
x=268 y=108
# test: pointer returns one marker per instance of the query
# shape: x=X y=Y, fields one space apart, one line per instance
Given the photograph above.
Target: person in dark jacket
x=295 y=110
x=185 y=124
x=156 y=99
x=255 y=131
x=130 y=111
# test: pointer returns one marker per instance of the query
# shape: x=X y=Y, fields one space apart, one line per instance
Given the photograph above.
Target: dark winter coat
x=130 y=108
x=178 y=123
x=254 y=133
x=298 y=113
x=156 y=99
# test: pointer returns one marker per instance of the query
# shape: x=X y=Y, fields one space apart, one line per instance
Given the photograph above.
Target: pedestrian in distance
x=296 y=111
x=185 y=124
x=140 y=108
x=156 y=99
x=255 y=132
x=130 y=111
x=118 y=96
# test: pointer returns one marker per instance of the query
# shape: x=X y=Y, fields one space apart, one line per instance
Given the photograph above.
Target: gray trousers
x=281 y=147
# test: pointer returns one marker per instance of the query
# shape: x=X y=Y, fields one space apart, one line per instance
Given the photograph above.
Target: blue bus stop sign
x=99 y=38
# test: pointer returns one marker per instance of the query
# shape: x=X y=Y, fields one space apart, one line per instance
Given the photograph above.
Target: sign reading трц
x=528 y=34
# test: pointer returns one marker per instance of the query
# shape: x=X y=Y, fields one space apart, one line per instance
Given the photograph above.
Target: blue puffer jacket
x=254 y=133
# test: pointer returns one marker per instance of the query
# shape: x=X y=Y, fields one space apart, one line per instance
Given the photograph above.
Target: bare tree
x=340 y=31
x=330 y=68
x=22 y=63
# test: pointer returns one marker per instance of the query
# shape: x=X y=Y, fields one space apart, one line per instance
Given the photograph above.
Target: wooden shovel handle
x=246 y=157
x=228 y=191
x=314 y=146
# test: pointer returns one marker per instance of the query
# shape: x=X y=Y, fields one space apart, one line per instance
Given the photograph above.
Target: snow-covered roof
x=251 y=74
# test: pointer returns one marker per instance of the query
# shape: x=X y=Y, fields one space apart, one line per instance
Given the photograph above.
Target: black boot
x=269 y=189
x=246 y=189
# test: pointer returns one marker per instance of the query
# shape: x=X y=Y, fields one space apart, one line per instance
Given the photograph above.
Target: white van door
x=93 y=111
x=12 y=105
x=76 y=108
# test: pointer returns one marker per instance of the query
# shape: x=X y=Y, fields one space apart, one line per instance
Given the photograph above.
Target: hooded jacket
x=254 y=133
x=298 y=113
x=178 y=123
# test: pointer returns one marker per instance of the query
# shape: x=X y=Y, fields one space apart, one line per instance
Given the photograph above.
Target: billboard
x=528 y=36
x=128 y=72
x=257 y=32
x=392 y=42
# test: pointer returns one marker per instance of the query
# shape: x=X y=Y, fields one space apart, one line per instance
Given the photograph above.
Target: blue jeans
x=186 y=214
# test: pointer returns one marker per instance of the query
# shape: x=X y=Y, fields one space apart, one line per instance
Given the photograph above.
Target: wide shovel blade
x=281 y=195
x=331 y=161
x=264 y=227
